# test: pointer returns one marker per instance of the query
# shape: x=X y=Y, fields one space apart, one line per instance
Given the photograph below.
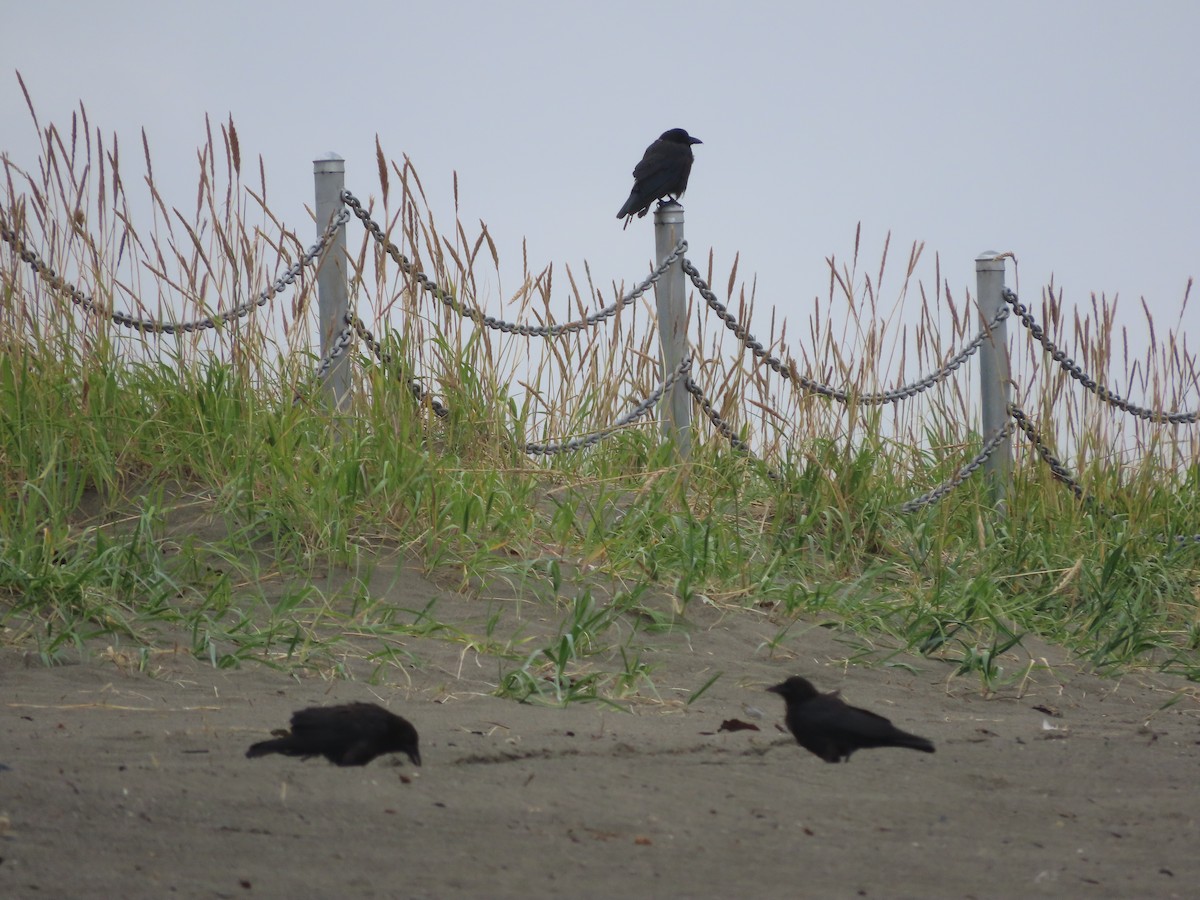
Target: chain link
x=87 y=304
x=1073 y=369
x=340 y=344
x=468 y=312
x=354 y=326
x=418 y=390
x=1063 y=474
x=723 y=427
x=633 y=415
x=964 y=473
x=1060 y=471
x=825 y=390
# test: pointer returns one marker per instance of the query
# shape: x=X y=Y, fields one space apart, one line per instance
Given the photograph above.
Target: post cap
x=668 y=213
x=329 y=164
x=990 y=260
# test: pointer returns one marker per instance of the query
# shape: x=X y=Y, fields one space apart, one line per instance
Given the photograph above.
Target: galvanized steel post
x=333 y=298
x=994 y=372
x=671 y=294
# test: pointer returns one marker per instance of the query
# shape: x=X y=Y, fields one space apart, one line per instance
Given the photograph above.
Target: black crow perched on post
x=350 y=735
x=823 y=724
x=663 y=172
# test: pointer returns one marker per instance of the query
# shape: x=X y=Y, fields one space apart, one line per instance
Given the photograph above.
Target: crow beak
x=692 y=140
x=775 y=689
x=415 y=756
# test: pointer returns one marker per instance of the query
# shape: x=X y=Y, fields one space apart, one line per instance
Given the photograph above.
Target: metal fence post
x=333 y=296
x=994 y=372
x=670 y=291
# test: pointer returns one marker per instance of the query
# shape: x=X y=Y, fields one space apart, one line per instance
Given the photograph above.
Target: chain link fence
x=976 y=463
x=430 y=287
x=85 y=302
x=1019 y=420
x=841 y=396
x=353 y=327
x=1073 y=369
x=640 y=410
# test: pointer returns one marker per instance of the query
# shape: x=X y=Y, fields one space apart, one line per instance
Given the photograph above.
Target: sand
x=120 y=782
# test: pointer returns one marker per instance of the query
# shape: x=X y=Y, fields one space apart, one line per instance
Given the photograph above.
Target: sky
x=1066 y=132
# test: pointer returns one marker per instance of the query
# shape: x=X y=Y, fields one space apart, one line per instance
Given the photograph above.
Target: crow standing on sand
x=663 y=172
x=831 y=729
x=350 y=735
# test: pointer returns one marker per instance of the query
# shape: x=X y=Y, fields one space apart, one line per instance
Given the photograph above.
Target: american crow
x=663 y=172
x=831 y=729
x=350 y=735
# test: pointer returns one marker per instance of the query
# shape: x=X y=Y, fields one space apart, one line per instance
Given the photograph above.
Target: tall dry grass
x=93 y=404
x=185 y=263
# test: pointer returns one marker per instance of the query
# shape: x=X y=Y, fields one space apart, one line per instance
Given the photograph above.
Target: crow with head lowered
x=832 y=729
x=662 y=173
x=349 y=735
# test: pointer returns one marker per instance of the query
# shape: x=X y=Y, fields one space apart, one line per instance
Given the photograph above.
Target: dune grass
x=198 y=486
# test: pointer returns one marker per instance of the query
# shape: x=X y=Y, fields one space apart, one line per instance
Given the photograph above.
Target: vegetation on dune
x=197 y=485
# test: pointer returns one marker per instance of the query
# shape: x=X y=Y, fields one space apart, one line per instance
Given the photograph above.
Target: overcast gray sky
x=1067 y=132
